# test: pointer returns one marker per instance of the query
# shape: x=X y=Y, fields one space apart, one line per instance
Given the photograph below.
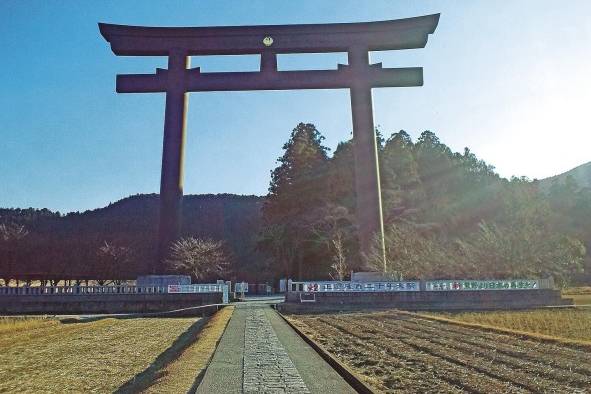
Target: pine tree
x=341 y=176
x=300 y=180
x=298 y=186
x=401 y=185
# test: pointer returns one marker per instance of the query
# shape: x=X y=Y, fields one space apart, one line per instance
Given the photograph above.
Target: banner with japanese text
x=360 y=286
x=471 y=285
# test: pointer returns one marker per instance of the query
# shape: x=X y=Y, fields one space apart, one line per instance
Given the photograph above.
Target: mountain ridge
x=580 y=174
x=133 y=222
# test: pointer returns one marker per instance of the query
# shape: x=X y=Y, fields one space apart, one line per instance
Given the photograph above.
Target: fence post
x=225 y=294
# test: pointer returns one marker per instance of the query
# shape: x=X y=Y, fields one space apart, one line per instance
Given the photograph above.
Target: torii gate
x=357 y=39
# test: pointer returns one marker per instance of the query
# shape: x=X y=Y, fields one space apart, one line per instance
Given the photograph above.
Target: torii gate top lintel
x=357 y=39
x=242 y=40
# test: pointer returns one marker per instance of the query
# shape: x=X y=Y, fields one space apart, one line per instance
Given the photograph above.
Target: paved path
x=260 y=353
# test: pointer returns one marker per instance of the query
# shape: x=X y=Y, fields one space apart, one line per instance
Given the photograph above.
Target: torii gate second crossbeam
x=357 y=39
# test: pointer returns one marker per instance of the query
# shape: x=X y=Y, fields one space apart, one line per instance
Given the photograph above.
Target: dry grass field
x=100 y=356
x=561 y=323
x=581 y=299
x=581 y=295
x=14 y=325
x=401 y=352
x=184 y=373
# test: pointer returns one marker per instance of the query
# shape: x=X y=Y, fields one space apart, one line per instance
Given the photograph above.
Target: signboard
x=206 y=288
x=307 y=297
x=475 y=285
x=312 y=287
x=241 y=287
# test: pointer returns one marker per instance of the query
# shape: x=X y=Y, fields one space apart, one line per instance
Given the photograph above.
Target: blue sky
x=508 y=79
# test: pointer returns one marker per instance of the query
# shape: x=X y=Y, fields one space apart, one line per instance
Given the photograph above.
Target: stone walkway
x=260 y=353
x=266 y=363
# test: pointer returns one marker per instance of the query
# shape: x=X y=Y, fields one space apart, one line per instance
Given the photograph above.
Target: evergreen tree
x=341 y=176
x=298 y=186
x=300 y=180
x=436 y=169
x=401 y=185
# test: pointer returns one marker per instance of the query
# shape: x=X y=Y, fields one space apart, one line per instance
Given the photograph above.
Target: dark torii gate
x=357 y=39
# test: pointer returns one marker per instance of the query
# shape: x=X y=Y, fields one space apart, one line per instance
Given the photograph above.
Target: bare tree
x=201 y=258
x=339 y=267
x=331 y=227
x=10 y=235
x=112 y=258
x=12 y=232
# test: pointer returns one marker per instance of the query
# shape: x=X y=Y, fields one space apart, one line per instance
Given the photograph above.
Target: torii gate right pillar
x=173 y=156
x=367 y=174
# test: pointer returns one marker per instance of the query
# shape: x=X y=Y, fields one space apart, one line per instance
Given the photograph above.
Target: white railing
x=197 y=288
x=103 y=290
x=201 y=288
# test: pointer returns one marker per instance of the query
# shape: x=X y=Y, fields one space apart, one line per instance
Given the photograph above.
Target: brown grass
x=99 y=356
x=570 y=324
x=185 y=372
x=580 y=295
x=584 y=290
x=581 y=299
x=14 y=325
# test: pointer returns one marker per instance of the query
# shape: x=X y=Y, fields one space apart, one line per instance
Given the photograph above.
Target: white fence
x=200 y=288
x=80 y=290
x=105 y=290
x=197 y=288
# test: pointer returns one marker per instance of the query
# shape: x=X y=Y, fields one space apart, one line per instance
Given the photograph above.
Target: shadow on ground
x=152 y=373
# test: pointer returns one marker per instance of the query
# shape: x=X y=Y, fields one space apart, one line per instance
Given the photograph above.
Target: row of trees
x=118 y=242
x=202 y=259
x=447 y=215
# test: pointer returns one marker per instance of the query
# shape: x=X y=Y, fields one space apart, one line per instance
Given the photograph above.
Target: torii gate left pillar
x=173 y=154
x=357 y=39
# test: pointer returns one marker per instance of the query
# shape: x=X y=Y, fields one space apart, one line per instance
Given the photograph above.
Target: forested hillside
x=67 y=247
x=581 y=176
x=447 y=215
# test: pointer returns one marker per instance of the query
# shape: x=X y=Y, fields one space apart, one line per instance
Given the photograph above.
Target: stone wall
x=103 y=303
x=423 y=300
